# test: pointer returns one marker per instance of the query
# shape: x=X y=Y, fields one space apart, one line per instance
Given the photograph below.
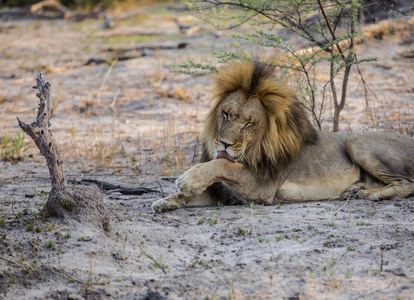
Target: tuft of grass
x=68 y=204
x=213 y=221
x=259 y=214
x=51 y=227
x=201 y=221
x=351 y=248
x=240 y=231
x=29 y=227
x=13 y=149
x=279 y=237
x=262 y=239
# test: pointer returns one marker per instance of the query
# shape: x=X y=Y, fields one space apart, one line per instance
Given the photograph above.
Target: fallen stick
x=106 y=186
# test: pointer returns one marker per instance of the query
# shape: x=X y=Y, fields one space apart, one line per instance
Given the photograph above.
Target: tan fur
x=273 y=154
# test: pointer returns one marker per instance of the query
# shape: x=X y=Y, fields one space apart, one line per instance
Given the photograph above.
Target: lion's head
x=255 y=120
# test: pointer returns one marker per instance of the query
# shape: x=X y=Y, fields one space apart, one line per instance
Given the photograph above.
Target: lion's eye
x=225 y=115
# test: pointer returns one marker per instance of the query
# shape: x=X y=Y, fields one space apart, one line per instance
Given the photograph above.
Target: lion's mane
x=287 y=126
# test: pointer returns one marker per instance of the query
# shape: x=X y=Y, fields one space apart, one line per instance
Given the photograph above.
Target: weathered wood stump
x=82 y=203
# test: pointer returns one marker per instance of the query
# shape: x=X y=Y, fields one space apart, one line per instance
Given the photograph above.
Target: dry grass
x=96 y=149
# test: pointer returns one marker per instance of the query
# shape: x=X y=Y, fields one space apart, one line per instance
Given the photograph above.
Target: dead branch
x=44 y=8
x=106 y=186
x=152 y=47
x=52 y=9
x=42 y=136
x=84 y=203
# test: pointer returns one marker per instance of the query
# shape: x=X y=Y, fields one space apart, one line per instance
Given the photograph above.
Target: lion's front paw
x=350 y=193
x=166 y=204
x=163 y=205
x=194 y=181
x=367 y=194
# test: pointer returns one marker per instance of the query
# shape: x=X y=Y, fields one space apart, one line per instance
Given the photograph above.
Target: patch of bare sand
x=130 y=123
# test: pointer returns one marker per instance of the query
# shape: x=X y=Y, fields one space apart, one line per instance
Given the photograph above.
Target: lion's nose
x=225 y=143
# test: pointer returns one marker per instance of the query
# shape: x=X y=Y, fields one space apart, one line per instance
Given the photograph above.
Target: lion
x=260 y=147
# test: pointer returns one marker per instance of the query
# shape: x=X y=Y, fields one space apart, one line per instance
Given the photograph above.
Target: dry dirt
x=133 y=123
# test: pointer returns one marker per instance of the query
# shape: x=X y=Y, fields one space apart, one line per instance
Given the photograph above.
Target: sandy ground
x=134 y=123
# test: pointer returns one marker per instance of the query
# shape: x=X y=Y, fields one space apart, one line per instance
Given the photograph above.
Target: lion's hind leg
x=387 y=157
x=396 y=189
x=367 y=184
